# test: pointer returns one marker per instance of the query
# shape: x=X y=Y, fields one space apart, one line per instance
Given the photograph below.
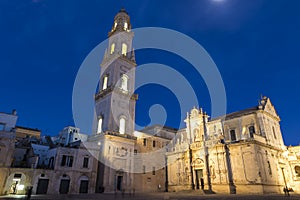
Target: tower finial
x=123 y=10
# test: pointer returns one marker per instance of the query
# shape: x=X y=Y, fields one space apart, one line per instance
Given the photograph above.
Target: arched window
x=105 y=81
x=112 y=48
x=124 y=82
x=124 y=49
x=100 y=121
x=122 y=125
x=125 y=26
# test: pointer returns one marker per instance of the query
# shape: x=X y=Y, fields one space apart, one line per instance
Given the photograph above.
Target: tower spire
x=121 y=23
x=120 y=39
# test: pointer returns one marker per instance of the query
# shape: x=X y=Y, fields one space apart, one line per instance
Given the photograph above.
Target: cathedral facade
x=239 y=153
x=242 y=152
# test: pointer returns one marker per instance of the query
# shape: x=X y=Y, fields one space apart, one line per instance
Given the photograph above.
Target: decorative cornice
x=118 y=90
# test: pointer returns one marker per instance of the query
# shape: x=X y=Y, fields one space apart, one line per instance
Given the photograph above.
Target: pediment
x=269 y=107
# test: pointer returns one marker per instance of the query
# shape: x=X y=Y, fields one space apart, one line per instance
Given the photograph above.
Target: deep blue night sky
x=255 y=45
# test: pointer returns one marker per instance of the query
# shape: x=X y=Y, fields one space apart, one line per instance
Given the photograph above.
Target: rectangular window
x=70 y=161
x=154 y=143
x=144 y=169
x=63 y=160
x=145 y=142
x=269 y=167
x=232 y=135
x=135 y=152
x=2 y=127
x=153 y=170
x=274 y=133
x=251 y=131
x=67 y=161
x=17 y=175
x=105 y=81
x=85 y=162
x=112 y=48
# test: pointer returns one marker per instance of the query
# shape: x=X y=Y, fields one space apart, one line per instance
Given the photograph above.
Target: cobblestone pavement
x=154 y=196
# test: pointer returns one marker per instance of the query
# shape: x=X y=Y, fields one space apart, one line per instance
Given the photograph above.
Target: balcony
x=120 y=135
x=259 y=138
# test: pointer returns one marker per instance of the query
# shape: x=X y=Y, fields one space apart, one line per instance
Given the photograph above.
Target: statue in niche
x=196 y=135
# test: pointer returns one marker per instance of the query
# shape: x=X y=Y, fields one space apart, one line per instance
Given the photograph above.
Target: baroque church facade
x=242 y=152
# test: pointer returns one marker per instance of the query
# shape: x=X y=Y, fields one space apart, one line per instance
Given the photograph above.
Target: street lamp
x=286 y=190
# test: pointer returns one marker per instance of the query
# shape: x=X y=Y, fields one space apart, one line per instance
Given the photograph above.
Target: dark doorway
x=42 y=186
x=84 y=185
x=202 y=183
x=64 y=186
x=119 y=182
x=199 y=179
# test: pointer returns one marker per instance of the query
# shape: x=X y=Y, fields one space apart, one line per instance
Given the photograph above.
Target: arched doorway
x=42 y=185
x=198 y=166
x=199 y=179
x=83 y=184
x=15 y=183
x=64 y=184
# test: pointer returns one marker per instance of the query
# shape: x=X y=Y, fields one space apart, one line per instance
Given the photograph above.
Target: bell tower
x=115 y=101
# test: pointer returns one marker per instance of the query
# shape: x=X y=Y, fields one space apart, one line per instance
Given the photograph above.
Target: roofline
x=27 y=128
x=161 y=126
x=237 y=113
